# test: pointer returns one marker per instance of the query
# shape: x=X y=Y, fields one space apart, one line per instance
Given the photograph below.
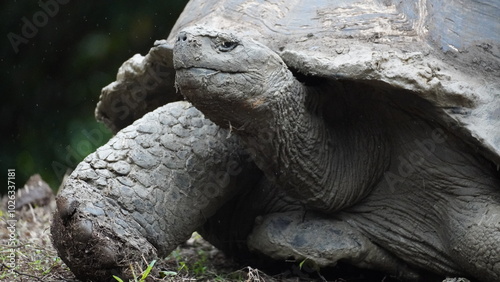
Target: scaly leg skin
x=473 y=236
x=146 y=191
x=323 y=240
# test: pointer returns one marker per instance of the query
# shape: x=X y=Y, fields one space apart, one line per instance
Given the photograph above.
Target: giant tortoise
x=363 y=132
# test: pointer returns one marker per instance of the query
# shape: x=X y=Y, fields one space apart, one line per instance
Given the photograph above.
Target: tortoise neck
x=328 y=166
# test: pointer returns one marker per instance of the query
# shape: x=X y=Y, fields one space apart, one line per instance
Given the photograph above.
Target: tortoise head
x=218 y=71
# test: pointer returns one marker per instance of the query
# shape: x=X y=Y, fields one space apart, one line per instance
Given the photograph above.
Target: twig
x=21 y=273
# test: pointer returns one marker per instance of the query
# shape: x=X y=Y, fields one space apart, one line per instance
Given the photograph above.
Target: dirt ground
x=195 y=260
x=27 y=254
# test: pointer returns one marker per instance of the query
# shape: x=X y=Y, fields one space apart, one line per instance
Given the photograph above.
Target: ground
x=195 y=260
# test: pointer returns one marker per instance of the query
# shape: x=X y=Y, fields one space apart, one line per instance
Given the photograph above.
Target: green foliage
x=310 y=265
x=167 y=273
x=301 y=264
x=52 y=80
x=144 y=275
x=200 y=266
x=197 y=267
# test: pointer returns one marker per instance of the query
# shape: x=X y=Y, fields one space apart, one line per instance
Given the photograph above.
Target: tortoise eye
x=227 y=46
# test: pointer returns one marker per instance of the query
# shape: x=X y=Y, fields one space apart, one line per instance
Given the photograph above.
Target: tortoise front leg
x=146 y=191
x=325 y=241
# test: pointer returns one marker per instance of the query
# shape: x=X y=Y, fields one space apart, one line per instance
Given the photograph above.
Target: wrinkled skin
x=370 y=161
x=353 y=172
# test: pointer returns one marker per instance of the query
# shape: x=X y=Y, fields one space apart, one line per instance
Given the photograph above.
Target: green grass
x=197 y=267
x=144 y=275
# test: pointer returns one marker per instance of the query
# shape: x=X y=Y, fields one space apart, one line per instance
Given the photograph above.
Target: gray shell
x=445 y=51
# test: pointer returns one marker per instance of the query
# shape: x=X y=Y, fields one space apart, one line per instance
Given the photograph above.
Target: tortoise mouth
x=205 y=70
x=201 y=78
x=201 y=71
x=193 y=78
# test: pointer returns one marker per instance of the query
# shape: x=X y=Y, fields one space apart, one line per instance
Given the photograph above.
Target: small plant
x=144 y=275
x=309 y=265
x=183 y=266
x=167 y=273
x=199 y=267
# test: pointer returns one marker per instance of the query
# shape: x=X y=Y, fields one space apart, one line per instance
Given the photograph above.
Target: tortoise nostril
x=182 y=36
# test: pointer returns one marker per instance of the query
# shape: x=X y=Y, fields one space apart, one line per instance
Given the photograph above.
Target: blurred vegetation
x=51 y=85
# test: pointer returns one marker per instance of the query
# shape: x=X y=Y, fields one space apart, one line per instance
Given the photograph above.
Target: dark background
x=51 y=83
